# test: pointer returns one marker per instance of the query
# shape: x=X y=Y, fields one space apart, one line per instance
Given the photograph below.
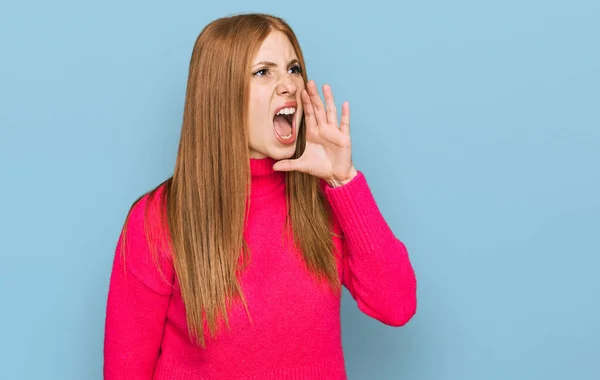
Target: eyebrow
x=273 y=64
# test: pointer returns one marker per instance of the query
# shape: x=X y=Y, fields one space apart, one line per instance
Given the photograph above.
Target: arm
x=376 y=267
x=377 y=271
x=136 y=307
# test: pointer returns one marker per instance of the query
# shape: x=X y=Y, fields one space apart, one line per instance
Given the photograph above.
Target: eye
x=261 y=72
x=296 y=69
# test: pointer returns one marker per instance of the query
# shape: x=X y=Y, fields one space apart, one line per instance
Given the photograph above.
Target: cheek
x=300 y=85
x=258 y=112
x=259 y=105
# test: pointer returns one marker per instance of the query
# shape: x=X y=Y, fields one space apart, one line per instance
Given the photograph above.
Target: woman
x=232 y=268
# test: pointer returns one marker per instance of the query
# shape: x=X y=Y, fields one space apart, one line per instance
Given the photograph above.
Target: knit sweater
x=295 y=332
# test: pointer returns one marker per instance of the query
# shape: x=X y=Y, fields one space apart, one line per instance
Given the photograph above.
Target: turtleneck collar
x=264 y=178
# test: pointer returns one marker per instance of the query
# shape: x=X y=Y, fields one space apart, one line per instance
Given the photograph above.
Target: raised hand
x=328 y=152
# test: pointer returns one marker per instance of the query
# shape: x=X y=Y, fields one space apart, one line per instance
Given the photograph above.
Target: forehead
x=275 y=47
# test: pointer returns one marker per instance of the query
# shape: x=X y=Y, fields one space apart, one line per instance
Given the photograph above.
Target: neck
x=264 y=179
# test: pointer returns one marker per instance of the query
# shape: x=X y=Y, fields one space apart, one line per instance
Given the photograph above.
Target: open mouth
x=284 y=124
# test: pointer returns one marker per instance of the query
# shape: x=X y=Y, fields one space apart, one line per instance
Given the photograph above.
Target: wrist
x=337 y=182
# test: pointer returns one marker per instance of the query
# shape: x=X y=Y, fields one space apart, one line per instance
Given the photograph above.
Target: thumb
x=287 y=165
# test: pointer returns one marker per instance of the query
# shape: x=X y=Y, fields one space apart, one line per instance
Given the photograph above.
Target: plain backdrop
x=476 y=124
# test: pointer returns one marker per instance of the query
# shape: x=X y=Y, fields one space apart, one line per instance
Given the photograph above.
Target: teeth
x=286 y=111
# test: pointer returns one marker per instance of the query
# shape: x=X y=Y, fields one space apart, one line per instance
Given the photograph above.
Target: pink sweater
x=296 y=330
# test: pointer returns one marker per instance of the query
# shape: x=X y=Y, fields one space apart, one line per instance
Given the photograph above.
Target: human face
x=275 y=85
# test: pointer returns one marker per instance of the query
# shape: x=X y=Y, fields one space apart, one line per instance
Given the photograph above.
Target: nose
x=286 y=86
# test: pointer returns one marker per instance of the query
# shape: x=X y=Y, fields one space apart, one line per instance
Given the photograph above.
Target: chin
x=282 y=153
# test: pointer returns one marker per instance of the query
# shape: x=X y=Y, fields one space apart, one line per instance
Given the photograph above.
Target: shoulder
x=149 y=206
x=146 y=221
x=144 y=244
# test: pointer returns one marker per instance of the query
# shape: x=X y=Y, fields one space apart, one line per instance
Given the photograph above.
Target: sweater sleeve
x=376 y=268
x=138 y=300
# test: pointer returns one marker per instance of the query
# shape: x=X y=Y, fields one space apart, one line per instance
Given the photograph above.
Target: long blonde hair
x=207 y=198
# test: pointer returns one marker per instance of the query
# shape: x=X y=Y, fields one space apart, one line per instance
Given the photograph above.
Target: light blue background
x=476 y=123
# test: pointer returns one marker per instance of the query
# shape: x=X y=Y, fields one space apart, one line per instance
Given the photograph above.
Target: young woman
x=232 y=268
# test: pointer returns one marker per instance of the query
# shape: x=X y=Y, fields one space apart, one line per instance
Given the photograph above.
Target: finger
x=345 y=121
x=333 y=136
x=309 y=112
x=331 y=111
x=318 y=106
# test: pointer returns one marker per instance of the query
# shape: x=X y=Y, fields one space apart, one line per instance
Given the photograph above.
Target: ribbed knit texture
x=295 y=331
